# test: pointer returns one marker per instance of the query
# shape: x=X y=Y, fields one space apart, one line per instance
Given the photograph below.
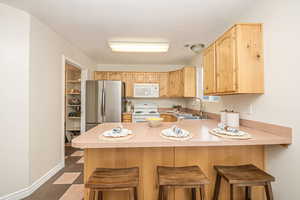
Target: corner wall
x=14 y=95
x=32 y=95
x=46 y=95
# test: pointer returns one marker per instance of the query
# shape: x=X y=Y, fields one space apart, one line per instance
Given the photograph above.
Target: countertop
x=150 y=137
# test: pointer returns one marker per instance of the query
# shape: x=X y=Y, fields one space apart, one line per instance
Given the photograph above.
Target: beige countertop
x=150 y=137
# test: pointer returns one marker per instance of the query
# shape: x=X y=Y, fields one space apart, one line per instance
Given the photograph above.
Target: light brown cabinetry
x=189 y=81
x=168 y=117
x=209 y=70
x=179 y=83
x=175 y=84
x=127 y=117
x=233 y=64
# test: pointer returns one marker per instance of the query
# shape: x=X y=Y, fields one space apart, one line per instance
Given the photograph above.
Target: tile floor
x=67 y=184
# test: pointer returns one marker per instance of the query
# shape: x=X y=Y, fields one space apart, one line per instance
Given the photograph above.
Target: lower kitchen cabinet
x=168 y=117
x=127 y=117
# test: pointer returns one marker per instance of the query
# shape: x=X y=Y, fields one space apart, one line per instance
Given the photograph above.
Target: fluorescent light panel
x=151 y=47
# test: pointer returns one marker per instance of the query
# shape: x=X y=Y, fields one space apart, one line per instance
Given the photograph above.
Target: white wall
x=280 y=103
x=32 y=97
x=14 y=99
x=46 y=94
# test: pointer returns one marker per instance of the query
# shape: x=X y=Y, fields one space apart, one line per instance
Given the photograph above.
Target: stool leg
x=248 y=193
x=202 y=192
x=231 y=191
x=217 y=187
x=193 y=193
x=135 y=194
x=100 y=195
x=92 y=194
x=269 y=192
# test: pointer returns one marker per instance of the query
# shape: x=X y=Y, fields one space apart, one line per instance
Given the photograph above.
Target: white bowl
x=154 y=121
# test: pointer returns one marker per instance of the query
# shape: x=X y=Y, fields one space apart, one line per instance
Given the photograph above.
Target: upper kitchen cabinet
x=179 y=83
x=189 y=81
x=175 y=84
x=234 y=63
x=182 y=83
x=209 y=70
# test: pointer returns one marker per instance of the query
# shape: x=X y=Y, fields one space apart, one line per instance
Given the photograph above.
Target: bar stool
x=243 y=176
x=117 y=179
x=181 y=177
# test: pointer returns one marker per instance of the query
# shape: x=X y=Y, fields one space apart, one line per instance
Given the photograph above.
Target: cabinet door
x=163 y=84
x=209 y=70
x=189 y=81
x=226 y=62
x=172 y=81
x=114 y=76
x=101 y=75
x=127 y=77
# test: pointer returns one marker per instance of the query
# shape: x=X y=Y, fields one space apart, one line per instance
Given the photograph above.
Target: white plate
x=125 y=132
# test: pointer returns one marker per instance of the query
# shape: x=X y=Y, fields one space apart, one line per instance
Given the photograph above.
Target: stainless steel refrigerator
x=104 y=102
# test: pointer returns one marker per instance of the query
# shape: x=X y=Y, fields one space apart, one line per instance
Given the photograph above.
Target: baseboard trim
x=34 y=186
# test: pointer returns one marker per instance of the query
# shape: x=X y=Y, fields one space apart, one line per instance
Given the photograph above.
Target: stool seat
x=181 y=176
x=244 y=174
x=113 y=178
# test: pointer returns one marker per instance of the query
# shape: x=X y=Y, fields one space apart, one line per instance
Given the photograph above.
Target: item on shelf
x=73 y=91
x=74 y=114
x=128 y=106
x=74 y=101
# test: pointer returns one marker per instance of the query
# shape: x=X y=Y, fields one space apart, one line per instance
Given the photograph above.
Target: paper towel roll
x=233 y=119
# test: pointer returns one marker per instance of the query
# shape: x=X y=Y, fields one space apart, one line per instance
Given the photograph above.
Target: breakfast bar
x=147 y=149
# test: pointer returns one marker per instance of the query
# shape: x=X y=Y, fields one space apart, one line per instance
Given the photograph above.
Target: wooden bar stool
x=117 y=179
x=181 y=177
x=243 y=176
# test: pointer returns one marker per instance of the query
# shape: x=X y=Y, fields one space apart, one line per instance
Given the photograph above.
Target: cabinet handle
x=258 y=55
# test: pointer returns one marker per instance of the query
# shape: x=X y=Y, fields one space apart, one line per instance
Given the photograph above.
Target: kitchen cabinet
x=189 y=81
x=163 y=84
x=127 y=117
x=175 y=84
x=168 y=118
x=209 y=70
x=226 y=62
x=179 y=83
x=233 y=64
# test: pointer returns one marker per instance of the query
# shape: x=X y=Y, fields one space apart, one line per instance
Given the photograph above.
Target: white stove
x=142 y=111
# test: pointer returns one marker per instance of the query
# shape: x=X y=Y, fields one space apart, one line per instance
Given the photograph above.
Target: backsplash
x=162 y=103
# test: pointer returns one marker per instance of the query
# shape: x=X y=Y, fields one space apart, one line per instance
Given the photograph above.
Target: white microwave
x=146 y=90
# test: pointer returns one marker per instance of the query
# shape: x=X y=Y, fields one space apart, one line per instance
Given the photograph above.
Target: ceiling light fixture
x=151 y=47
x=196 y=48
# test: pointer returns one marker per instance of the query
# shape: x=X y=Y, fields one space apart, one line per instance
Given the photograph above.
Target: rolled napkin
x=117 y=132
x=176 y=132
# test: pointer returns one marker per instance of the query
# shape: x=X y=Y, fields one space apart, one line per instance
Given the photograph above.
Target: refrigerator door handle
x=102 y=103
x=99 y=108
